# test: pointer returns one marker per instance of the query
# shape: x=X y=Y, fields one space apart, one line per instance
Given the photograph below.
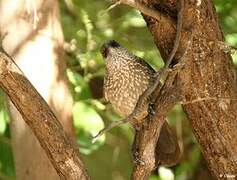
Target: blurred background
x=86 y=25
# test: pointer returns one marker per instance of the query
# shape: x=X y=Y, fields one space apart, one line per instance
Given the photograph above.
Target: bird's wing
x=145 y=64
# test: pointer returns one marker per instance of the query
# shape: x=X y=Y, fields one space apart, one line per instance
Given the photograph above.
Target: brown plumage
x=127 y=77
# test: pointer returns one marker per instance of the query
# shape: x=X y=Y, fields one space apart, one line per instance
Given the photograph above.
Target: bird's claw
x=137 y=160
x=151 y=109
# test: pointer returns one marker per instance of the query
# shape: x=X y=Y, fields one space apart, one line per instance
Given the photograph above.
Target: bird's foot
x=151 y=109
x=137 y=160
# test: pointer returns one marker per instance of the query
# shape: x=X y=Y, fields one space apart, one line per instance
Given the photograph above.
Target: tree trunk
x=209 y=74
x=33 y=32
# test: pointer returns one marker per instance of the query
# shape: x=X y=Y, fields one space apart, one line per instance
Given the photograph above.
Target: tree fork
x=207 y=73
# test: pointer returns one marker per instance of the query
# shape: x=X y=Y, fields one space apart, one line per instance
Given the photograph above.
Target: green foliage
x=92 y=25
x=227 y=12
x=228 y=15
x=6 y=159
x=88 y=123
x=4 y=119
x=86 y=26
x=188 y=167
x=81 y=88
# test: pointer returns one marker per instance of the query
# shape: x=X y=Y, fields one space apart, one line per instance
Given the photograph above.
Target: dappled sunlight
x=33 y=60
x=69 y=74
x=33 y=37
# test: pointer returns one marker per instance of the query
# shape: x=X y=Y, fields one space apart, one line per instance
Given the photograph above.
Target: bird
x=127 y=77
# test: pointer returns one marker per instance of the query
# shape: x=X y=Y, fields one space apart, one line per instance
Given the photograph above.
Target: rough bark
x=209 y=74
x=33 y=36
x=148 y=143
x=42 y=121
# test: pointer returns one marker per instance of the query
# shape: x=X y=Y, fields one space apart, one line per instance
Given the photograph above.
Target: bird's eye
x=104 y=51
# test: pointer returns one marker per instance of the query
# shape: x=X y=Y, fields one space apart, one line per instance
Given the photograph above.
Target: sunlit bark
x=33 y=37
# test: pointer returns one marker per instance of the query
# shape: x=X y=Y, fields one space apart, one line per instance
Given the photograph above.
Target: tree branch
x=145 y=145
x=152 y=12
x=148 y=151
x=41 y=120
x=208 y=72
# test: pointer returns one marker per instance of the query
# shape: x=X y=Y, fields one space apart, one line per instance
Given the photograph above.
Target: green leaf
x=3 y=121
x=88 y=123
x=134 y=19
x=81 y=87
x=6 y=160
x=4 y=118
x=154 y=177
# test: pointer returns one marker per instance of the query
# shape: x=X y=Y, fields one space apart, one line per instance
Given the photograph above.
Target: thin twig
x=110 y=7
x=147 y=147
x=146 y=139
x=165 y=69
x=143 y=101
x=142 y=8
x=110 y=126
x=139 y=6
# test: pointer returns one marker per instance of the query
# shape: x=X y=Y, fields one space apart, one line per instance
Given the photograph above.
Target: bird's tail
x=169 y=149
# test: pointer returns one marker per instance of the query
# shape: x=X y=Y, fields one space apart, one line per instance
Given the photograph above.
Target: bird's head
x=111 y=48
x=115 y=56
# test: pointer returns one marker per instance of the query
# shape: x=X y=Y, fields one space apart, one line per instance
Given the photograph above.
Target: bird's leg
x=137 y=160
x=109 y=127
x=135 y=118
x=151 y=110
